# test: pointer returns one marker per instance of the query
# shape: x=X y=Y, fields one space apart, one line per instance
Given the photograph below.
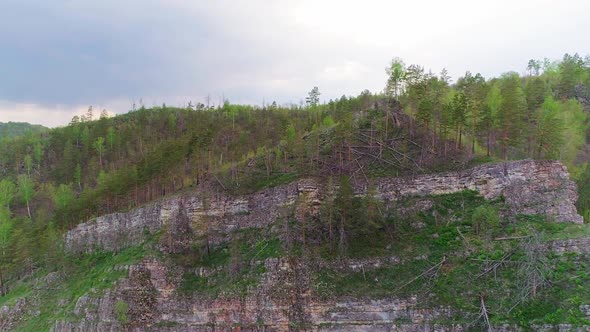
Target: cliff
x=430 y=278
x=284 y=300
x=528 y=187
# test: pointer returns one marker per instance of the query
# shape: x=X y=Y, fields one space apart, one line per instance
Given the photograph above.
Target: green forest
x=14 y=129
x=52 y=180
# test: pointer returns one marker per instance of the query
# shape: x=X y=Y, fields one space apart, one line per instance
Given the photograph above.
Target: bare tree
x=533 y=269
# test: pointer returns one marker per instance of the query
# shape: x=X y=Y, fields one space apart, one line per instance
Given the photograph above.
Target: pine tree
x=459 y=115
x=511 y=113
x=111 y=136
x=7 y=193
x=548 y=131
x=571 y=73
x=396 y=72
x=313 y=97
x=63 y=196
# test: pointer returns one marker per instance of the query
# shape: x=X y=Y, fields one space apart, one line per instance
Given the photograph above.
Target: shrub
x=485 y=220
x=121 y=308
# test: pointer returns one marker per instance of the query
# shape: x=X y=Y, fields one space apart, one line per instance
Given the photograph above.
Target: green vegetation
x=121 y=309
x=51 y=180
x=88 y=275
x=237 y=266
x=14 y=129
x=449 y=258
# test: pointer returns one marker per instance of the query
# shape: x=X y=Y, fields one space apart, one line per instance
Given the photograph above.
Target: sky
x=59 y=57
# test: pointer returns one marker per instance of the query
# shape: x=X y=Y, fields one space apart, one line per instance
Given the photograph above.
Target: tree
x=28 y=164
x=534 y=66
x=549 y=130
x=26 y=191
x=88 y=116
x=425 y=110
x=313 y=97
x=571 y=73
x=485 y=221
x=7 y=192
x=373 y=211
x=6 y=226
x=475 y=117
x=63 y=196
x=535 y=93
x=99 y=147
x=171 y=123
x=575 y=124
x=490 y=120
x=344 y=207
x=459 y=115
x=486 y=126
x=75 y=120
x=511 y=113
x=85 y=138
x=416 y=87
x=111 y=136
x=474 y=87
x=78 y=176
x=38 y=154
x=104 y=114
x=396 y=73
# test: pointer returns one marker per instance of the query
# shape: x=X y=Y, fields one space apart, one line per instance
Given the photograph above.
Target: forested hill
x=422 y=122
x=13 y=129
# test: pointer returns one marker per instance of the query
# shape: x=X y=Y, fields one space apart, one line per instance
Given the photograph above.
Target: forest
x=13 y=129
x=51 y=180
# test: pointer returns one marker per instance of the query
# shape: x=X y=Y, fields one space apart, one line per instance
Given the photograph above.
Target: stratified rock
x=529 y=187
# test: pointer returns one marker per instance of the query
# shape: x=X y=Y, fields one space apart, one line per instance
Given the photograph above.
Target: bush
x=121 y=308
x=486 y=221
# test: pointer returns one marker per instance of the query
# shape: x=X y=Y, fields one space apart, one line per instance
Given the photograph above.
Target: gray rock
x=529 y=187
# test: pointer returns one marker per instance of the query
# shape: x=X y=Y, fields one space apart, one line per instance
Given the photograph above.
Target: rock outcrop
x=280 y=302
x=271 y=307
x=528 y=187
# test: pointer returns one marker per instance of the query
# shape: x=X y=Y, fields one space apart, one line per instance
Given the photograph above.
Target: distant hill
x=13 y=129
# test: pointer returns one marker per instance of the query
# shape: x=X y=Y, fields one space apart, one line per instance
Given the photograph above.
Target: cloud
x=110 y=53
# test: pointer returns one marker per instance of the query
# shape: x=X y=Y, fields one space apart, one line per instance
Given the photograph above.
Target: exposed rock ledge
x=281 y=302
x=529 y=187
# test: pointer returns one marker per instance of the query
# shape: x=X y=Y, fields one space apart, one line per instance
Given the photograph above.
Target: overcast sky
x=58 y=57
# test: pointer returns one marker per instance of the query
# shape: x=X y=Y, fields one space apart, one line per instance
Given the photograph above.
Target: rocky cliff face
x=528 y=187
x=279 y=304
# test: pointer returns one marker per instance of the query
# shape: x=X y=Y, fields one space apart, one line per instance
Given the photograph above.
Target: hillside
x=432 y=205
x=14 y=129
x=269 y=260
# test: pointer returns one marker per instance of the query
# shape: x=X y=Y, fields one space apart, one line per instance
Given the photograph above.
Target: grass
x=121 y=310
x=90 y=274
x=571 y=231
x=21 y=290
x=223 y=283
x=259 y=180
x=244 y=258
